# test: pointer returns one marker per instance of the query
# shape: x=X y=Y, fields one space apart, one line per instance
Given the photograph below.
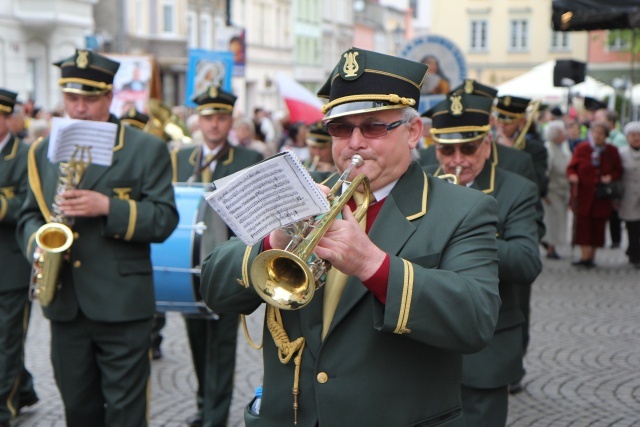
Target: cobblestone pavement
x=583 y=365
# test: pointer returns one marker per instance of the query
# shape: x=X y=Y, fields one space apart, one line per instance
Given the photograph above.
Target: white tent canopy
x=538 y=84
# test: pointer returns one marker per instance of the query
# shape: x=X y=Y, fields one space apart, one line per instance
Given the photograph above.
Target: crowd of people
x=423 y=317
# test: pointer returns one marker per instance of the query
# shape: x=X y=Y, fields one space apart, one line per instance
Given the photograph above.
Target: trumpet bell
x=283 y=279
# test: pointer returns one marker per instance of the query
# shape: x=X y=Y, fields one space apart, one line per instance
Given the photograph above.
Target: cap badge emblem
x=507 y=101
x=468 y=86
x=213 y=92
x=456 y=105
x=351 y=66
x=83 y=59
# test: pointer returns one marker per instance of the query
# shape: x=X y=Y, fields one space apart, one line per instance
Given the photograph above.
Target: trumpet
x=453 y=178
x=287 y=279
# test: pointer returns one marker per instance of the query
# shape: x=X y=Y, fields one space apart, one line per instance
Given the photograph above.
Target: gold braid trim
x=286 y=350
x=3 y=206
x=393 y=98
x=34 y=181
x=6 y=109
x=460 y=129
x=245 y=282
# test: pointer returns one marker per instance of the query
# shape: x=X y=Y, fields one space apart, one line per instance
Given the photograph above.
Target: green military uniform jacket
x=536 y=149
x=13 y=190
x=109 y=275
x=384 y=365
x=500 y=363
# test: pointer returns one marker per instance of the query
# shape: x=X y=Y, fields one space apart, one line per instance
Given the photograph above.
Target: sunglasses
x=466 y=149
x=368 y=130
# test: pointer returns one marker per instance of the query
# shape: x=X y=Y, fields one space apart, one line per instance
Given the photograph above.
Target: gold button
x=77 y=264
x=76 y=235
x=322 y=377
x=117 y=236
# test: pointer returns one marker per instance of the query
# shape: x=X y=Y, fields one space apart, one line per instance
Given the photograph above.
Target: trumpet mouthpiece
x=357 y=160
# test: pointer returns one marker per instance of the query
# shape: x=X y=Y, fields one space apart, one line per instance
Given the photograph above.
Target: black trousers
x=633 y=251
x=16 y=383
x=102 y=371
x=615 y=227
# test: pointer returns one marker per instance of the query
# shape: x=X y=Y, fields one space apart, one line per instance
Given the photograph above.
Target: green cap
x=460 y=118
x=366 y=81
x=7 y=101
x=511 y=108
x=318 y=136
x=87 y=73
x=473 y=87
x=134 y=118
x=214 y=100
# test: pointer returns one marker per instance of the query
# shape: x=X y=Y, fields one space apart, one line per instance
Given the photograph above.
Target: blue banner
x=206 y=68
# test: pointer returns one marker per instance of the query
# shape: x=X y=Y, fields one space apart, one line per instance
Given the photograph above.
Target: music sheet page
x=67 y=135
x=271 y=194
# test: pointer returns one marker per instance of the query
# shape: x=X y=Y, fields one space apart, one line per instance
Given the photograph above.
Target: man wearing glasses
x=463 y=144
x=412 y=287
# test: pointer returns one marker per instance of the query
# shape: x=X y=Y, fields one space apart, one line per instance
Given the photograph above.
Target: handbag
x=609 y=191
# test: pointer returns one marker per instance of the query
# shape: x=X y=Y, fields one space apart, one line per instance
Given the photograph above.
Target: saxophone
x=56 y=237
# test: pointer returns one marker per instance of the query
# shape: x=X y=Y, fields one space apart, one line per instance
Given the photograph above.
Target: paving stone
x=583 y=363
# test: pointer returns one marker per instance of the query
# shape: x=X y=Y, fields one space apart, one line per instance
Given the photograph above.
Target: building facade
x=502 y=39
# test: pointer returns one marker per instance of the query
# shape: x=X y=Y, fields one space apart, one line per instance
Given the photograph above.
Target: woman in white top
x=630 y=203
x=556 y=202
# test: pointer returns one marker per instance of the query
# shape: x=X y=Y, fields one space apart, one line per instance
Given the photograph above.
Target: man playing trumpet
x=411 y=288
x=463 y=145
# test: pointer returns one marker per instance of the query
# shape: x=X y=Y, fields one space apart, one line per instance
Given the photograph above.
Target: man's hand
x=348 y=248
x=84 y=203
x=573 y=179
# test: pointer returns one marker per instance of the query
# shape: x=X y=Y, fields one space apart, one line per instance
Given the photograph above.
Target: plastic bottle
x=255 y=403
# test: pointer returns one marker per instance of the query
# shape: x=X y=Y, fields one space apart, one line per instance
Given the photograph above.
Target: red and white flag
x=302 y=104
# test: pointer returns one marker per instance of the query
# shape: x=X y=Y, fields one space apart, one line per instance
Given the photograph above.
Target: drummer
x=213 y=342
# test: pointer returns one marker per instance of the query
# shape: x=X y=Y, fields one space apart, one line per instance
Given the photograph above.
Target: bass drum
x=176 y=261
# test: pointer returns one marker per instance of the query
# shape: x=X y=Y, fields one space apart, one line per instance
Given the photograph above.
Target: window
x=206 y=34
x=478 y=31
x=192 y=30
x=167 y=16
x=32 y=78
x=559 y=40
x=616 y=42
x=519 y=35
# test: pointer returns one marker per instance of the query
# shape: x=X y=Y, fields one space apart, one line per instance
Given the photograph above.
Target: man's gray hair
x=632 y=127
x=555 y=128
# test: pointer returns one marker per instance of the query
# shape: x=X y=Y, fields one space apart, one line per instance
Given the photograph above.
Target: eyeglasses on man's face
x=368 y=130
x=466 y=149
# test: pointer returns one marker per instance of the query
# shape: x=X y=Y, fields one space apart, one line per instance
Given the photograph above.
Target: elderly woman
x=593 y=161
x=630 y=203
x=556 y=202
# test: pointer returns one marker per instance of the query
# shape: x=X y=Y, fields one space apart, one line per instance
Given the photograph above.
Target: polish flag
x=302 y=104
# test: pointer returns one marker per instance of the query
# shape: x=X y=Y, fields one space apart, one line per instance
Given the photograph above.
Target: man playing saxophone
x=101 y=312
x=411 y=287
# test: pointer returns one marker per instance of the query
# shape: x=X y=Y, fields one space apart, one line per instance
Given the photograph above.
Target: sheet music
x=270 y=194
x=68 y=134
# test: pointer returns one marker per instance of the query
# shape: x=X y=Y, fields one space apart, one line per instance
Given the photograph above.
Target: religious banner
x=447 y=66
x=208 y=67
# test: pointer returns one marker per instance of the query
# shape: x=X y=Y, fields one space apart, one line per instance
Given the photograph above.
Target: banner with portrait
x=447 y=66
x=208 y=67
x=132 y=83
x=233 y=40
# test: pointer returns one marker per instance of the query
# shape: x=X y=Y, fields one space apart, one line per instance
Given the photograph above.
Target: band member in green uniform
x=16 y=383
x=414 y=285
x=463 y=143
x=319 y=144
x=213 y=342
x=101 y=313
